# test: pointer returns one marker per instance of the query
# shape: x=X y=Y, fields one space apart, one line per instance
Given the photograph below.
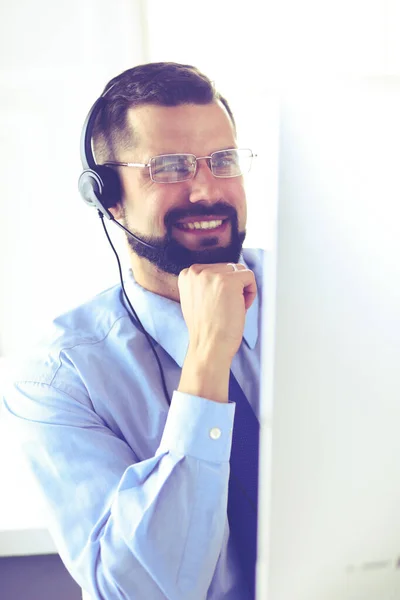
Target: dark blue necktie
x=243 y=483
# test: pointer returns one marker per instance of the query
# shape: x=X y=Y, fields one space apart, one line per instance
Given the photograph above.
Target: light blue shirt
x=137 y=491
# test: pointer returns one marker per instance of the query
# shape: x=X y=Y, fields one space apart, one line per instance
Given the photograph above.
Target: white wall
x=56 y=58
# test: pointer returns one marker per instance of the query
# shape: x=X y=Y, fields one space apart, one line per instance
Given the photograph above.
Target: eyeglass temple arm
x=125 y=164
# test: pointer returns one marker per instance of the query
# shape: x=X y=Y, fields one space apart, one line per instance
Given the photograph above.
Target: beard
x=172 y=257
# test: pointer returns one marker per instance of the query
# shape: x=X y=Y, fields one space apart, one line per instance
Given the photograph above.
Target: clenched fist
x=214 y=300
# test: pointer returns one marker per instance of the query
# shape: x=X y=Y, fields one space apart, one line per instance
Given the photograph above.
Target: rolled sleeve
x=199 y=428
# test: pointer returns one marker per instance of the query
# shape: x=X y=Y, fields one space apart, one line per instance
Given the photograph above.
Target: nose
x=204 y=186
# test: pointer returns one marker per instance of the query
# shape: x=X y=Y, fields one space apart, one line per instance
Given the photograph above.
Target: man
x=138 y=490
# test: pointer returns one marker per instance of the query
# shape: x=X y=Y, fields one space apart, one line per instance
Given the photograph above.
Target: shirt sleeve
x=124 y=528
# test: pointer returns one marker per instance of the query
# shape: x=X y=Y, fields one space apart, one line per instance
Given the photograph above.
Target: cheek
x=236 y=196
x=149 y=210
x=143 y=204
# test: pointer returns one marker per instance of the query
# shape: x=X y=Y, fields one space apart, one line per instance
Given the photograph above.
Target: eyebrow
x=234 y=147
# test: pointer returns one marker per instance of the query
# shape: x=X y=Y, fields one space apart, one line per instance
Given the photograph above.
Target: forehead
x=192 y=128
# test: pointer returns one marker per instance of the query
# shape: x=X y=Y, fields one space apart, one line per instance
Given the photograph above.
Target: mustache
x=220 y=209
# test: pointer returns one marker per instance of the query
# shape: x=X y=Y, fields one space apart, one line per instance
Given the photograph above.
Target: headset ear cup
x=91 y=189
x=100 y=188
x=90 y=186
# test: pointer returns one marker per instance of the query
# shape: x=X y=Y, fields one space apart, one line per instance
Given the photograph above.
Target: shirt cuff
x=199 y=428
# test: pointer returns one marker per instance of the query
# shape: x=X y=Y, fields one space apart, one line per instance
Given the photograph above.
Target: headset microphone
x=135 y=237
x=89 y=186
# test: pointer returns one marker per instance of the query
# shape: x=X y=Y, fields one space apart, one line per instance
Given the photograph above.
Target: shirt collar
x=163 y=319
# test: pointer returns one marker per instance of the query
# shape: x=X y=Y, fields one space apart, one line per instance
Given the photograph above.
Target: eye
x=225 y=159
x=225 y=163
x=172 y=164
x=178 y=165
x=170 y=168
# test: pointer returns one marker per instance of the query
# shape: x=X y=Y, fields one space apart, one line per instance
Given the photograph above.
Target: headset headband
x=87 y=156
x=99 y=185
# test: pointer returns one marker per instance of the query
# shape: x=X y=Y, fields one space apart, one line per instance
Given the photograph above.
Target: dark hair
x=162 y=83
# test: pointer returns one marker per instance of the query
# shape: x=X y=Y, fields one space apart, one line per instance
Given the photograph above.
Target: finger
x=236 y=267
x=216 y=268
x=243 y=275
x=248 y=281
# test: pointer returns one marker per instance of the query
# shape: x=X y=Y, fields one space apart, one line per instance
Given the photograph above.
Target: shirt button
x=215 y=433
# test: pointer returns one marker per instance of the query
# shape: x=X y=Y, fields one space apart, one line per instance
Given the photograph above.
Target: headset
x=100 y=187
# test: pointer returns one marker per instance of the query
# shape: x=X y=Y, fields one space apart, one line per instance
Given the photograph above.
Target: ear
x=117 y=211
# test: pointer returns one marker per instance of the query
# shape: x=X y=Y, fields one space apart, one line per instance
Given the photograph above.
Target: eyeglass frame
x=197 y=158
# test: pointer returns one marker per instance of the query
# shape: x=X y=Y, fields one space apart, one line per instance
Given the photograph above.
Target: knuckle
x=195 y=269
x=205 y=275
x=222 y=280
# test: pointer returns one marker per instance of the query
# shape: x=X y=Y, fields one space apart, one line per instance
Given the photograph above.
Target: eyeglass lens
x=170 y=168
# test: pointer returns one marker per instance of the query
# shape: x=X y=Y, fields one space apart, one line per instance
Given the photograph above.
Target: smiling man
x=140 y=416
x=199 y=219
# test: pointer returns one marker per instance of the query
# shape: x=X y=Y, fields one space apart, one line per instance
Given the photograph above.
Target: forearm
x=206 y=375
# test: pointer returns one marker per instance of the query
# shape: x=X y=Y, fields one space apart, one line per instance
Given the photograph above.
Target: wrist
x=205 y=376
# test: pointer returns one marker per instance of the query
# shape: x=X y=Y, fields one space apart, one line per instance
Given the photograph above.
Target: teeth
x=202 y=224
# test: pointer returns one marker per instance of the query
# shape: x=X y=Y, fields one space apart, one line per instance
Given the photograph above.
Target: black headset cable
x=134 y=313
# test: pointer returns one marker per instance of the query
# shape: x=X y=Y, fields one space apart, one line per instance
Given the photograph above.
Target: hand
x=214 y=300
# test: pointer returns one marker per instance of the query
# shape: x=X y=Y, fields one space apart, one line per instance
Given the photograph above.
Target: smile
x=200 y=225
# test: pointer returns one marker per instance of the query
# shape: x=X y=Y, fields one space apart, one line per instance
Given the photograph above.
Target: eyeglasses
x=171 y=168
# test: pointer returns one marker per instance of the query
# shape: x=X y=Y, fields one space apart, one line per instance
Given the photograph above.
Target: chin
x=172 y=257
